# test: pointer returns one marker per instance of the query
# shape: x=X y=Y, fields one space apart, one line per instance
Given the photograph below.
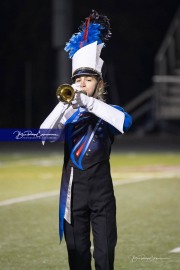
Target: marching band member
x=88 y=126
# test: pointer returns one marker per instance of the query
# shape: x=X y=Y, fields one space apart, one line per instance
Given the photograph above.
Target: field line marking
x=130 y=181
x=140 y=178
x=56 y=192
x=175 y=250
x=29 y=197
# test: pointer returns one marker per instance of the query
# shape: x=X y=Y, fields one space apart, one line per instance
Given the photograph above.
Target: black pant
x=93 y=203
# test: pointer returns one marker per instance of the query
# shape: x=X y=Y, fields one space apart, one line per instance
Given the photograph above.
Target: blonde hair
x=100 y=91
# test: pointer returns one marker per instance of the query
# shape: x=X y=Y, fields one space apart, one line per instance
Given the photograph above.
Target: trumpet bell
x=65 y=93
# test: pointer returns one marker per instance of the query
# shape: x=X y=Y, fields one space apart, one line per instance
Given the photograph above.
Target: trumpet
x=66 y=93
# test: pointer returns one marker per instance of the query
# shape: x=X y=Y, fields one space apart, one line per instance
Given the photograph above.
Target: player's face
x=87 y=84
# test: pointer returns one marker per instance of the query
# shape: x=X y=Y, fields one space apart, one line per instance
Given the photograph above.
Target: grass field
x=147 y=189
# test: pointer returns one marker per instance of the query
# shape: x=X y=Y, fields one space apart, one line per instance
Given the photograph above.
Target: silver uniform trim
x=67 y=215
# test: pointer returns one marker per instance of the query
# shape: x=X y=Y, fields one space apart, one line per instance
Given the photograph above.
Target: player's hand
x=82 y=100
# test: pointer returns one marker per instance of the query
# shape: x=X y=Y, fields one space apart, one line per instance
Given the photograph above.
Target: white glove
x=76 y=87
x=82 y=100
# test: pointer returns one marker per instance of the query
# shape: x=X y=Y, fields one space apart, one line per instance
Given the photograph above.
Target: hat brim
x=85 y=72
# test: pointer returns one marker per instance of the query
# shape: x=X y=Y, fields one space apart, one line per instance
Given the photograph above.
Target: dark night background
x=138 y=28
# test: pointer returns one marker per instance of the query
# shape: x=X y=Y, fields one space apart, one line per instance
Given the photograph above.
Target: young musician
x=88 y=126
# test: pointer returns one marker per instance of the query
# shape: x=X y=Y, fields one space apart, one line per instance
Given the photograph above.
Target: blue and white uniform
x=86 y=185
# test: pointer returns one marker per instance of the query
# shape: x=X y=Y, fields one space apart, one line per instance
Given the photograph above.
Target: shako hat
x=85 y=46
